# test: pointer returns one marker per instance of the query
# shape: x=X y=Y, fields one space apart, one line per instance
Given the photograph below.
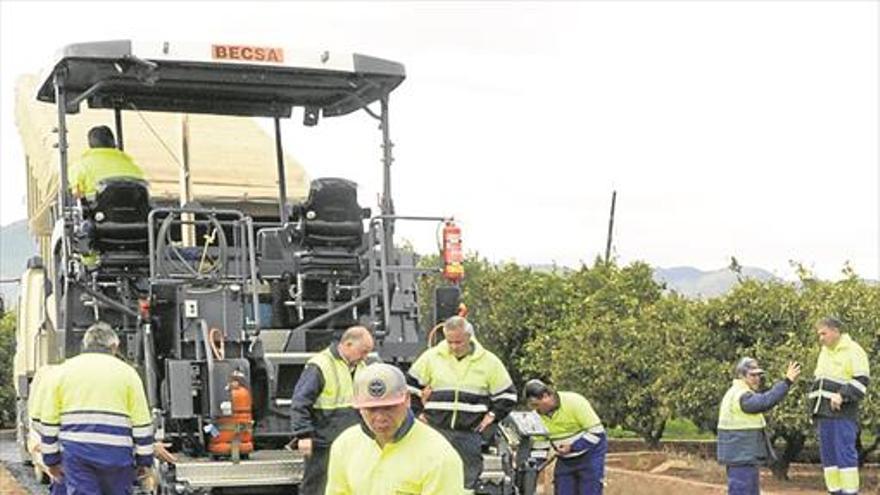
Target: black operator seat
x=325 y=236
x=331 y=215
x=332 y=224
x=119 y=215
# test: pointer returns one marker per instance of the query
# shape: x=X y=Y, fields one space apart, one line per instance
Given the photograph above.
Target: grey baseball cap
x=379 y=385
x=747 y=365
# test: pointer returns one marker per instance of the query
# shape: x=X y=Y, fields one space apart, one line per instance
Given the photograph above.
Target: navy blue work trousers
x=584 y=474
x=743 y=480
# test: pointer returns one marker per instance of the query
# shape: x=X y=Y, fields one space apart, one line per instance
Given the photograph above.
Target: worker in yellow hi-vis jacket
x=839 y=385
x=576 y=435
x=743 y=444
x=462 y=389
x=390 y=452
x=96 y=411
x=321 y=409
x=100 y=162
x=41 y=382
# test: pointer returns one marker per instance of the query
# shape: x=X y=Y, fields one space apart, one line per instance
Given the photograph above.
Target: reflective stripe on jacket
x=41 y=382
x=462 y=390
x=842 y=369
x=419 y=461
x=96 y=408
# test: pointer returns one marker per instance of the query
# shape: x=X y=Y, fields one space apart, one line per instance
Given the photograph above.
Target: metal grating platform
x=267 y=467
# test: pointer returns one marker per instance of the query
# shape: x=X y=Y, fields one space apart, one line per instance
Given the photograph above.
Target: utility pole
x=610 y=227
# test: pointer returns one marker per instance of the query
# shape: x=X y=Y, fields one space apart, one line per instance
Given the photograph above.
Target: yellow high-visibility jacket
x=842 y=369
x=97 y=164
x=321 y=404
x=462 y=390
x=41 y=382
x=731 y=415
x=96 y=409
x=574 y=422
x=741 y=436
x=419 y=461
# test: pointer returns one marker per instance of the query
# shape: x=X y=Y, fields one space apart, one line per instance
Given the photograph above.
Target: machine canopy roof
x=232 y=160
x=222 y=79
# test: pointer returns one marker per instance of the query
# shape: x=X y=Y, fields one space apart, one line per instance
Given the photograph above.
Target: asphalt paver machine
x=203 y=292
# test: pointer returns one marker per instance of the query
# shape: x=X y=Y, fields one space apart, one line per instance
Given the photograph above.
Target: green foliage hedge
x=645 y=355
x=7 y=389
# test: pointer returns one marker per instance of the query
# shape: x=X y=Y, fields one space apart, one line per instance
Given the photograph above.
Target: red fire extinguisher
x=453 y=269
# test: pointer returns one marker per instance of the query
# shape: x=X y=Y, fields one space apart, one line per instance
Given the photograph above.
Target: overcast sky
x=727 y=128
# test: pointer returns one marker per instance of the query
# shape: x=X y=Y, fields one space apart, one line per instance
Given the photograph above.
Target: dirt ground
x=654 y=473
x=659 y=473
x=803 y=479
x=8 y=484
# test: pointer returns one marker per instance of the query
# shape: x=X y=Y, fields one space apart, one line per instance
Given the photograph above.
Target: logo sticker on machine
x=248 y=53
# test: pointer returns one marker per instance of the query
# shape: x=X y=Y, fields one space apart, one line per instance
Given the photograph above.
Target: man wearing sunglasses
x=743 y=445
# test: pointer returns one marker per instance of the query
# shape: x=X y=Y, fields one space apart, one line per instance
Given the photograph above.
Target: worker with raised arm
x=743 y=444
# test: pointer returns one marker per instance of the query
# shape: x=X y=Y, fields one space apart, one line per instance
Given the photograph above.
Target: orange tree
x=508 y=304
x=773 y=322
x=856 y=304
x=616 y=345
x=764 y=320
x=643 y=354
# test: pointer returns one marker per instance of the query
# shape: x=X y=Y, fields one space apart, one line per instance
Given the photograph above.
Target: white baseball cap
x=379 y=385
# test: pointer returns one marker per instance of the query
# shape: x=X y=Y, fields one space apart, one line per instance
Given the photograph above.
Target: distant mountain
x=16 y=246
x=691 y=282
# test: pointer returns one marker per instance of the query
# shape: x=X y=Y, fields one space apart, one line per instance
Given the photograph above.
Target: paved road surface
x=10 y=460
